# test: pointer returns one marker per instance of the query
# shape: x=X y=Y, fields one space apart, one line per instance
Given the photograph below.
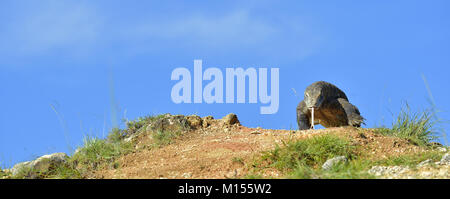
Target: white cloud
x=236 y=25
x=81 y=28
x=46 y=26
x=289 y=37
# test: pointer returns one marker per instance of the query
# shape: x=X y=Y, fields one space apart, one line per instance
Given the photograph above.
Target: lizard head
x=314 y=97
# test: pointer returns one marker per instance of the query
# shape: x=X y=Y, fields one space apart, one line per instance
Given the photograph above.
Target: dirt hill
x=209 y=148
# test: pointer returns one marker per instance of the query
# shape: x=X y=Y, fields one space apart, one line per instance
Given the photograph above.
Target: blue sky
x=72 y=54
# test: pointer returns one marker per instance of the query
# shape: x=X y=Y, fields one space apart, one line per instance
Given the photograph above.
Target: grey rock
x=40 y=165
x=130 y=138
x=387 y=170
x=424 y=163
x=333 y=161
x=445 y=159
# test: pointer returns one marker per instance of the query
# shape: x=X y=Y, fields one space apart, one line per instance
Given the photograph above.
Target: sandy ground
x=220 y=151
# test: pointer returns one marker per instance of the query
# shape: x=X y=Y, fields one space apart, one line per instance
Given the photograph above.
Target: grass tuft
x=417 y=127
x=162 y=138
x=303 y=159
x=411 y=160
x=308 y=152
x=97 y=151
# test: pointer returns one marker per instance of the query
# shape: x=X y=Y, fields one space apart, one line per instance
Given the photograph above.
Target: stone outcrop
x=334 y=161
x=32 y=169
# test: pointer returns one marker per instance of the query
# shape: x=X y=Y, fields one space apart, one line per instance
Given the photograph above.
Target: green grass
x=65 y=171
x=354 y=169
x=309 y=152
x=98 y=151
x=3 y=173
x=416 y=127
x=162 y=138
x=411 y=160
x=238 y=160
x=102 y=153
x=95 y=154
x=303 y=159
x=138 y=124
x=116 y=135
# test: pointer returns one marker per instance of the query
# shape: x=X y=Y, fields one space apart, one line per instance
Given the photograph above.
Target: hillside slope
x=209 y=148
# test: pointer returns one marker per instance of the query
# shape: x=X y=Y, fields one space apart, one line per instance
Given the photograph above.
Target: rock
x=195 y=121
x=390 y=171
x=334 y=161
x=174 y=123
x=31 y=169
x=424 y=163
x=435 y=144
x=208 y=120
x=445 y=159
x=230 y=119
x=233 y=174
x=130 y=138
x=186 y=175
x=426 y=174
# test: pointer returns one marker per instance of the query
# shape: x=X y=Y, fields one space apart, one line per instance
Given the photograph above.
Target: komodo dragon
x=331 y=107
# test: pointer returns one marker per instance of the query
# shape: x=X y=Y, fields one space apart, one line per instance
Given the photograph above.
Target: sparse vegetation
x=97 y=151
x=309 y=152
x=411 y=160
x=303 y=159
x=95 y=154
x=162 y=138
x=355 y=169
x=300 y=154
x=136 y=125
x=116 y=135
x=417 y=127
x=238 y=160
x=3 y=174
x=65 y=171
x=100 y=153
